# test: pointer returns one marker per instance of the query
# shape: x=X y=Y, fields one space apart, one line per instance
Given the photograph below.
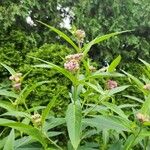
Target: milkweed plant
x=93 y=120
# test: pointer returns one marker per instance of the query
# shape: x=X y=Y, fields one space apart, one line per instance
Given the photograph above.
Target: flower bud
x=111 y=84
x=80 y=34
x=36 y=119
x=17 y=86
x=92 y=68
x=142 y=118
x=11 y=77
x=76 y=57
x=147 y=86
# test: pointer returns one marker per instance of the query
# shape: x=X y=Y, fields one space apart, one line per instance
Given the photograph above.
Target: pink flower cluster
x=16 y=81
x=72 y=62
x=111 y=84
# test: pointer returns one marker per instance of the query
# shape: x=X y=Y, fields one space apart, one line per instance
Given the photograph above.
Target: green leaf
x=99 y=74
x=128 y=106
x=16 y=114
x=146 y=64
x=73 y=120
x=33 y=132
x=63 y=35
x=116 y=146
x=9 y=145
x=114 y=64
x=45 y=113
x=116 y=109
x=52 y=122
x=27 y=90
x=146 y=105
x=136 y=80
x=59 y=69
x=116 y=90
x=8 y=93
x=108 y=122
x=94 y=87
x=7 y=105
x=134 y=98
x=11 y=71
x=87 y=47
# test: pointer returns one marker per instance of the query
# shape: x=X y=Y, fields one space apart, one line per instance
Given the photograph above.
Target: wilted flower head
x=141 y=117
x=147 y=86
x=111 y=84
x=80 y=34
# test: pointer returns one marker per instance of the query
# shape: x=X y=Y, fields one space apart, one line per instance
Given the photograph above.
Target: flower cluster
x=111 y=84
x=80 y=34
x=147 y=86
x=36 y=119
x=72 y=62
x=92 y=68
x=16 y=81
x=142 y=118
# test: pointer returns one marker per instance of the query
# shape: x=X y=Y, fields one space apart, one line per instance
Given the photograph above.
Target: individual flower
x=147 y=86
x=111 y=84
x=141 y=117
x=80 y=34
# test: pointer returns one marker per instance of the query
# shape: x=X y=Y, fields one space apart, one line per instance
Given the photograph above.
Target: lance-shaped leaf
x=61 y=34
x=9 y=145
x=11 y=71
x=73 y=119
x=99 y=39
x=8 y=93
x=135 y=80
x=27 y=90
x=59 y=69
x=33 y=132
x=114 y=64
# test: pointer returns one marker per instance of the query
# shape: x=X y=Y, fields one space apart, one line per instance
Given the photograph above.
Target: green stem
x=134 y=138
x=146 y=142
x=75 y=93
x=54 y=143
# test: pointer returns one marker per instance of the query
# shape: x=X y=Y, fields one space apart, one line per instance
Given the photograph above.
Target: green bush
x=58 y=83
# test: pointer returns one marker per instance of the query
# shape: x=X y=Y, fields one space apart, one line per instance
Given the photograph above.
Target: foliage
x=99 y=17
x=99 y=123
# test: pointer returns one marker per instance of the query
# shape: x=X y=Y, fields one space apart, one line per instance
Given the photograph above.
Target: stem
x=54 y=143
x=135 y=138
x=75 y=93
x=146 y=142
x=79 y=45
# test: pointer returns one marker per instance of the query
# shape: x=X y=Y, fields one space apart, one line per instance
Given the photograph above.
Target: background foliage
x=18 y=39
